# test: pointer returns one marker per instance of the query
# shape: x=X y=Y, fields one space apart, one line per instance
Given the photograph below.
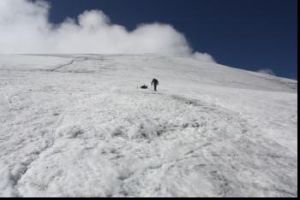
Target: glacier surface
x=79 y=126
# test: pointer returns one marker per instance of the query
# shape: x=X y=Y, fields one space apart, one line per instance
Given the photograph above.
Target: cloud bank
x=25 y=28
x=266 y=71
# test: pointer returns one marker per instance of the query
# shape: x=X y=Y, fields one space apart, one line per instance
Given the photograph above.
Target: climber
x=155 y=84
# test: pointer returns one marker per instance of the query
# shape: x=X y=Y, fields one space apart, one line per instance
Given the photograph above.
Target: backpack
x=155 y=82
x=144 y=87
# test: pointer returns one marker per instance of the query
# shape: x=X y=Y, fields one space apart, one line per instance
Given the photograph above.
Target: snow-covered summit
x=78 y=125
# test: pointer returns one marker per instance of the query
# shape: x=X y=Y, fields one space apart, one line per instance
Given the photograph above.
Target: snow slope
x=77 y=125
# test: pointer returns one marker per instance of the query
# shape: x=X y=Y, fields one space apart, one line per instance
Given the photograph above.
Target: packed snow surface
x=79 y=125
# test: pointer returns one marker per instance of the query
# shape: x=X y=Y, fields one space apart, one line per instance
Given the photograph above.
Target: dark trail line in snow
x=69 y=63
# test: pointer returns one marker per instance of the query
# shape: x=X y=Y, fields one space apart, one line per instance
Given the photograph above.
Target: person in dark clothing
x=155 y=84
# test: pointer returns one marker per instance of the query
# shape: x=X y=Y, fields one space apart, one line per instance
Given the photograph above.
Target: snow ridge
x=77 y=125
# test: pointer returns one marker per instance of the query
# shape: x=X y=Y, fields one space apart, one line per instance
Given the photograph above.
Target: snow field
x=78 y=126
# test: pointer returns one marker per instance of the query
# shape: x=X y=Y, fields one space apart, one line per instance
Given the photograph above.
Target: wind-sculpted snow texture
x=77 y=125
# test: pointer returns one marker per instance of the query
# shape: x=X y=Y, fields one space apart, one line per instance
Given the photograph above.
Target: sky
x=256 y=35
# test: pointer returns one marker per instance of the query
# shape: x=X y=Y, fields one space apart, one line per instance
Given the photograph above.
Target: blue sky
x=247 y=34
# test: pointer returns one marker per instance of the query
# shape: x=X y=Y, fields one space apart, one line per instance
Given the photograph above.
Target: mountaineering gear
x=144 y=87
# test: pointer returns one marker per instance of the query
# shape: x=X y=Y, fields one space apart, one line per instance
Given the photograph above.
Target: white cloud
x=204 y=57
x=267 y=71
x=25 y=28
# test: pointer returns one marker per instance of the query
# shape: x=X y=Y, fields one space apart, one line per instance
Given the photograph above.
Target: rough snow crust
x=77 y=125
